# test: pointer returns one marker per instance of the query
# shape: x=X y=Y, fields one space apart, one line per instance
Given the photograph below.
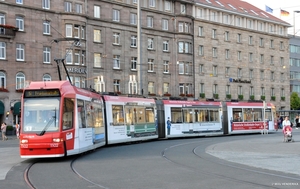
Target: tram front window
x=41 y=114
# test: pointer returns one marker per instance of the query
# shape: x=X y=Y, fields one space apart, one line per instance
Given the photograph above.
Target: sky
x=287 y=5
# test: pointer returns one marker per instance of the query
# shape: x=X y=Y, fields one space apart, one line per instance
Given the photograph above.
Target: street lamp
x=294 y=21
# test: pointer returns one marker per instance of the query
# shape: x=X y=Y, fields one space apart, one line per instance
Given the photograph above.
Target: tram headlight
x=24 y=141
x=57 y=139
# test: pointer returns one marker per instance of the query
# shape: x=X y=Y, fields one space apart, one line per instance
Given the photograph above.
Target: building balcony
x=8 y=31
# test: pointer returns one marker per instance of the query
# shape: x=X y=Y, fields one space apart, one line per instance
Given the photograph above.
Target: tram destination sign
x=42 y=93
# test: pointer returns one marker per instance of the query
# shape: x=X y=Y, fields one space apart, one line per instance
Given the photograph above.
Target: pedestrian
x=286 y=123
x=298 y=123
x=3 y=129
x=18 y=130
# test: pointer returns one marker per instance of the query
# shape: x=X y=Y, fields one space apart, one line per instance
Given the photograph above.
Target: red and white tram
x=59 y=119
x=250 y=117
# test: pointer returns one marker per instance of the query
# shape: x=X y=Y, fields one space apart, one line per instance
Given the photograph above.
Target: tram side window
x=81 y=114
x=68 y=113
x=129 y=115
x=237 y=114
x=268 y=114
x=118 y=115
x=188 y=115
x=140 y=114
x=257 y=114
x=202 y=115
x=176 y=115
x=89 y=114
x=214 y=115
x=150 y=117
x=97 y=115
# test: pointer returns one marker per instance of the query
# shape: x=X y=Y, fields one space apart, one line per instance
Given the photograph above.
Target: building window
x=151 y=88
x=202 y=88
x=167 y=5
x=150 y=65
x=97 y=60
x=250 y=40
x=251 y=91
x=239 y=55
x=68 y=6
x=151 y=3
x=69 y=30
x=272 y=60
x=227 y=55
x=201 y=50
x=78 y=8
x=239 y=38
x=213 y=33
x=133 y=18
x=215 y=89
x=201 y=68
x=261 y=58
x=166 y=46
x=133 y=63
x=282 y=93
x=149 y=22
x=133 y=41
x=82 y=58
x=271 y=43
x=180 y=27
x=46 y=54
x=250 y=74
x=150 y=43
x=281 y=45
x=262 y=75
x=214 y=52
x=76 y=31
x=19 y=1
x=239 y=73
x=166 y=88
x=116 y=85
x=69 y=57
x=186 y=27
x=46 y=27
x=20 y=23
x=199 y=13
x=182 y=9
x=227 y=89
x=262 y=91
x=165 y=24
x=184 y=68
x=261 y=42
x=215 y=70
x=250 y=24
x=227 y=69
x=200 y=31
x=132 y=84
x=46 y=77
x=20 y=50
x=46 y=4
x=281 y=61
x=20 y=81
x=76 y=57
x=97 y=36
x=272 y=76
x=116 y=38
x=2 y=50
x=250 y=57
x=82 y=32
x=116 y=61
x=226 y=36
x=2 y=80
x=240 y=90
x=116 y=15
x=96 y=11
x=166 y=66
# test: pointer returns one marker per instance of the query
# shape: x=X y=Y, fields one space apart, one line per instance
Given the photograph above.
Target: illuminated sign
x=42 y=93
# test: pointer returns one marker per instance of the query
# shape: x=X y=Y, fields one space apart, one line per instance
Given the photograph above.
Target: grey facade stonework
x=183 y=77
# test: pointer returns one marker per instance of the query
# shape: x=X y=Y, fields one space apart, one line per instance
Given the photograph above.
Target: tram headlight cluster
x=57 y=140
x=24 y=141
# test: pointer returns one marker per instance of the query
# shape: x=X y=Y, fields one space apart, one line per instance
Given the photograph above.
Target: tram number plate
x=24 y=145
x=54 y=145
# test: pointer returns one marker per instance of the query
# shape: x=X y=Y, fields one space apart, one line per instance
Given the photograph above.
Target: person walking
x=3 y=129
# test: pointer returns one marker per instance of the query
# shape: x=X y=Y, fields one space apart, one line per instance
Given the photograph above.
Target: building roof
x=241 y=7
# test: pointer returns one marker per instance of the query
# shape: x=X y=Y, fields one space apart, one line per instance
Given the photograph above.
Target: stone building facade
x=187 y=49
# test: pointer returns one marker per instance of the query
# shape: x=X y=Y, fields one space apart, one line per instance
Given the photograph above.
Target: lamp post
x=295 y=22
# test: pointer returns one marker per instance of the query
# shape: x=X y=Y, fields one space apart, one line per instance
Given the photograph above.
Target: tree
x=295 y=101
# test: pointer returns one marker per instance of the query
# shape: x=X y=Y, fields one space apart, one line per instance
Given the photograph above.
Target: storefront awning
x=17 y=107
x=1 y=108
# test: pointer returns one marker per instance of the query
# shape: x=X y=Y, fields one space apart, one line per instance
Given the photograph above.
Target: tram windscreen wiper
x=46 y=127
